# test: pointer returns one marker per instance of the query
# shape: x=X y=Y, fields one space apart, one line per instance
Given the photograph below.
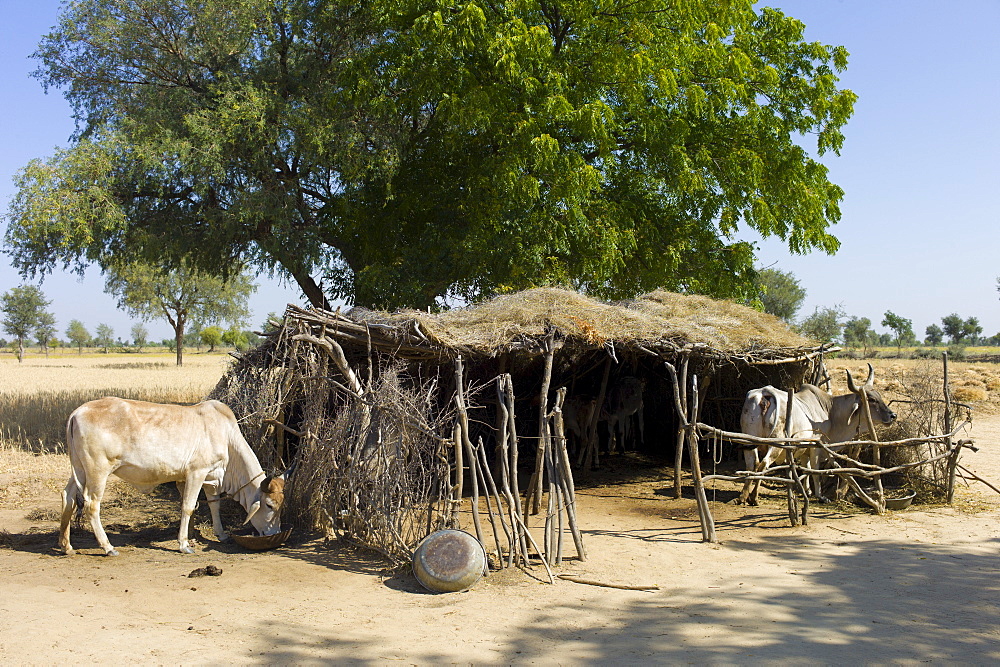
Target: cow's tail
x=74 y=488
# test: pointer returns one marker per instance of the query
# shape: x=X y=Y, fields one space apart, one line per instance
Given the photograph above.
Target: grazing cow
x=146 y=444
x=814 y=414
x=624 y=400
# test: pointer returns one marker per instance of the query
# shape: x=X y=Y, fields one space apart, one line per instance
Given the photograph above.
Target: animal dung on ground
x=207 y=571
x=449 y=561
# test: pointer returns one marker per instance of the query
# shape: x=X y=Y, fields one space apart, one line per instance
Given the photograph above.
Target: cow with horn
x=146 y=444
x=815 y=413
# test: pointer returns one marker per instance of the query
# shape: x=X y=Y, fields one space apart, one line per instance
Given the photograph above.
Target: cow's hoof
x=223 y=537
x=113 y=552
x=187 y=550
x=68 y=552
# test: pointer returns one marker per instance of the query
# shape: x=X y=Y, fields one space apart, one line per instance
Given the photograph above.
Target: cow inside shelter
x=294 y=392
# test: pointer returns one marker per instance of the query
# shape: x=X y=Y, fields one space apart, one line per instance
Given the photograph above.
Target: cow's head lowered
x=265 y=512
x=881 y=414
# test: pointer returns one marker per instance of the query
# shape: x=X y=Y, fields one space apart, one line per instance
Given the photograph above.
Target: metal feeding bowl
x=449 y=561
x=900 y=502
x=249 y=539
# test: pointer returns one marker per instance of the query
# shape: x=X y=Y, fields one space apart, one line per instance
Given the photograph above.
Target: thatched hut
x=327 y=389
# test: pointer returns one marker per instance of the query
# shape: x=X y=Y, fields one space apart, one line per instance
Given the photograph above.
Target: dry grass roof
x=656 y=320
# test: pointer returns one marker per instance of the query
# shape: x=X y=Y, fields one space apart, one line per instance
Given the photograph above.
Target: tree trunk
x=179 y=341
x=311 y=290
x=20 y=350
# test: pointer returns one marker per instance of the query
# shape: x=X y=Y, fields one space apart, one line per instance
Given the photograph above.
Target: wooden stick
x=679 y=448
x=535 y=486
x=502 y=453
x=566 y=480
x=590 y=582
x=457 y=490
x=977 y=477
x=707 y=522
x=463 y=420
x=490 y=485
x=515 y=483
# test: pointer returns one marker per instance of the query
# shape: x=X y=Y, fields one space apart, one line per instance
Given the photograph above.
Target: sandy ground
x=916 y=585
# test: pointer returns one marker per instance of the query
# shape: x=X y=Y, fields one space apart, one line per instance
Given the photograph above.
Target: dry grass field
x=912 y=586
x=37 y=396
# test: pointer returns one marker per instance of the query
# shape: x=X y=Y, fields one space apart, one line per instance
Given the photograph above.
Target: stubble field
x=850 y=587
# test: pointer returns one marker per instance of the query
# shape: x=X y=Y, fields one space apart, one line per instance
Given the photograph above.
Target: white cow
x=814 y=414
x=146 y=444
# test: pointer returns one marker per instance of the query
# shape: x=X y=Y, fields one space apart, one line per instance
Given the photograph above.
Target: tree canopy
x=180 y=296
x=23 y=309
x=405 y=153
x=780 y=293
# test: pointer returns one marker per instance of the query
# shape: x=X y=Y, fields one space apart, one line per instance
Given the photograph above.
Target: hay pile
x=656 y=320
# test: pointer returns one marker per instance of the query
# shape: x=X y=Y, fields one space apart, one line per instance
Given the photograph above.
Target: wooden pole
x=457 y=491
x=463 y=420
x=876 y=453
x=566 y=476
x=953 y=459
x=679 y=449
x=535 y=486
x=707 y=522
x=515 y=483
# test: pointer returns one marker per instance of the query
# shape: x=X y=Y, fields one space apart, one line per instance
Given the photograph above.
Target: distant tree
x=858 y=333
x=181 y=296
x=959 y=330
x=972 y=329
x=77 y=334
x=45 y=330
x=933 y=335
x=211 y=336
x=104 y=337
x=954 y=327
x=22 y=307
x=780 y=293
x=902 y=327
x=237 y=338
x=824 y=324
x=139 y=335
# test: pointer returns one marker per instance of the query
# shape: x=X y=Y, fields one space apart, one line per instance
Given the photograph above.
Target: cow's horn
x=850 y=383
x=253 y=510
x=870 y=382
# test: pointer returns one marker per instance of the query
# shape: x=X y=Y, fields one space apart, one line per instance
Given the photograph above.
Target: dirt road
x=911 y=586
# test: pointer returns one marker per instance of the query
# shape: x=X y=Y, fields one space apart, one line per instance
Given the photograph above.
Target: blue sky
x=919 y=232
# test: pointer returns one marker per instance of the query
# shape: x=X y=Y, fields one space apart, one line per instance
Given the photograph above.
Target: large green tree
x=181 y=296
x=408 y=152
x=23 y=308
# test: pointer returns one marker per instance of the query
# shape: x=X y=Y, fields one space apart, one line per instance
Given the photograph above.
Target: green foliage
x=45 y=330
x=182 y=295
x=23 y=311
x=902 y=327
x=77 y=334
x=211 y=336
x=780 y=293
x=104 y=336
x=933 y=335
x=960 y=331
x=139 y=335
x=858 y=333
x=824 y=325
x=415 y=152
x=237 y=338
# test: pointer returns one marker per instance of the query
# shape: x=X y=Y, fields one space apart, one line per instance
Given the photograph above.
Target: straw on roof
x=655 y=319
